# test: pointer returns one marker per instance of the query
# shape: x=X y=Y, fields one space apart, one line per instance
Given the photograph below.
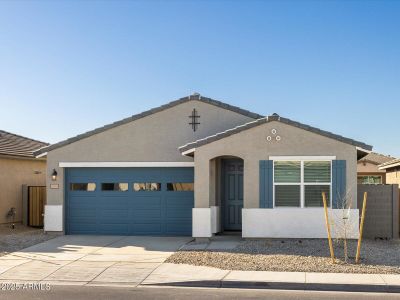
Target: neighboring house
x=197 y=166
x=368 y=171
x=392 y=169
x=18 y=166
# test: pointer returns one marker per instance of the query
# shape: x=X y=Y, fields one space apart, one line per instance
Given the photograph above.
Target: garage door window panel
x=180 y=187
x=146 y=187
x=114 y=187
x=83 y=187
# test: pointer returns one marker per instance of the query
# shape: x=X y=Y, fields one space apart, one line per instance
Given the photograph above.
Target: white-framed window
x=299 y=182
x=369 y=179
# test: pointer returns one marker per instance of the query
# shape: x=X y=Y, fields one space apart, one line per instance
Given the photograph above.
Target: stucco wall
x=366 y=167
x=153 y=138
x=298 y=223
x=251 y=146
x=393 y=176
x=13 y=174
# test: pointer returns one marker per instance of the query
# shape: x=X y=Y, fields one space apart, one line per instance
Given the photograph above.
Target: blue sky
x=70 y=66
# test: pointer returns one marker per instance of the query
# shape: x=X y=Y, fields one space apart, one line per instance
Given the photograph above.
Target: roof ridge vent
x=274 y=117
x=195 y=96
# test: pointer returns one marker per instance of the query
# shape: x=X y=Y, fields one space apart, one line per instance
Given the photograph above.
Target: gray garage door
x=129 y=201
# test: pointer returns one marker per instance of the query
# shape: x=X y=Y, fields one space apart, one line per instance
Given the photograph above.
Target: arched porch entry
x=229 y=191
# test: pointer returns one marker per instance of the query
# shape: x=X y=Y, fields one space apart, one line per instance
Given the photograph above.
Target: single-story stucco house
x=392 y=170
x=197 y=166
x=368 y=171
x=18 y=167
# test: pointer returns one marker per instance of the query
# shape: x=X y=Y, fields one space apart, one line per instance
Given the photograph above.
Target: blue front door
x=232 y=193
x=129 y=201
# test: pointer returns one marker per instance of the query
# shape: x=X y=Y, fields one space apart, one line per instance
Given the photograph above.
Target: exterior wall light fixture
x=54 y=175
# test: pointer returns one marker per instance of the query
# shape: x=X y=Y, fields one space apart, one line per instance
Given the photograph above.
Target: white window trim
x=302 y=184
x=129 y=164
x=313 y=158
x=380 y=176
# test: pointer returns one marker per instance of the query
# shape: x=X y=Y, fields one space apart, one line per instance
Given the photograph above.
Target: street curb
x=310 y=286
x=283 y=286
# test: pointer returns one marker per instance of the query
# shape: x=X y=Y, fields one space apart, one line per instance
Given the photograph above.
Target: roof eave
x=362 y=148
x=194 y=97
x=189 y=152
x=23 y=157
x=40 y=155
x=361 y=152
x=388 y=166
x=41 y=152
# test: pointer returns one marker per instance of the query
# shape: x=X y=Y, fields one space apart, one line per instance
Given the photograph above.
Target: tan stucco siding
x=393 y=176
x=152 y=138
x=251 y=145
x=367 y=167
x=13 y=174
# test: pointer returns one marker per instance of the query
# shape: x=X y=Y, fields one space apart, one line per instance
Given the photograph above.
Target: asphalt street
x=143 y=293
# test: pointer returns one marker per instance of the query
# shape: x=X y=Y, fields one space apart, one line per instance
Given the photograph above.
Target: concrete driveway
x=90 y=260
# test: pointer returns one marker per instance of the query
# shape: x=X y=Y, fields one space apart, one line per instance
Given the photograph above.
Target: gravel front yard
x=21 y=237
x=310 y=255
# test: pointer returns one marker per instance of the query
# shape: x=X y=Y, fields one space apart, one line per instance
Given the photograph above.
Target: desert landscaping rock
x=309 y=255
x=21 y=237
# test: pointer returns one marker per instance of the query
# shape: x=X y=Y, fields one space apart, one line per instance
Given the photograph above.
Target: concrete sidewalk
x=173 y=275
x=196 y=276
x=139 y=261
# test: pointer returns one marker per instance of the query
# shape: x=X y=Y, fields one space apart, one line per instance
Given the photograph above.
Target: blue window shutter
x=338 y=183
x=262 y=183
x=266 y=183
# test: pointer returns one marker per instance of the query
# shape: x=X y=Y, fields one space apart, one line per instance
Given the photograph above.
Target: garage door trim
x=129 y=164
x=93 y=214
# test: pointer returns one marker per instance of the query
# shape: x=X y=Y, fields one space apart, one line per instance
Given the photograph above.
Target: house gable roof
x=17 y=145
x=376 y=158
x=390 y=164
x=196 y=97
x=275 y=117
